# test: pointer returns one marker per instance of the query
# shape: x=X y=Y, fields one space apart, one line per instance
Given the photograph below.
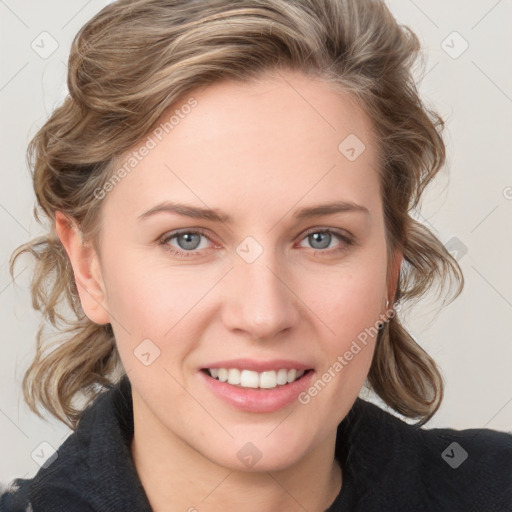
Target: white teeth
x=234 y=376
x=282 y=377
x=250 y=379
x=268 y=380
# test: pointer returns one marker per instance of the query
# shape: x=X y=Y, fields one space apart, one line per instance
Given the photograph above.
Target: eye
x=320 y=239
x=187 y=242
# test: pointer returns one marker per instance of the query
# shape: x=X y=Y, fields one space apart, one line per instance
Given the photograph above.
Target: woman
x=228 y=187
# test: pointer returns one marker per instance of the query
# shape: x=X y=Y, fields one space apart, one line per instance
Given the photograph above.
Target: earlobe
x=86 y=269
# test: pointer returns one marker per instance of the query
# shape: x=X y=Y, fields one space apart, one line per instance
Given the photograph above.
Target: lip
x=258 y=400
x=258 y=366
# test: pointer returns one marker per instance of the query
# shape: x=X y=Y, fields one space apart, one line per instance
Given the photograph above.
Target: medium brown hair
x=135 y=59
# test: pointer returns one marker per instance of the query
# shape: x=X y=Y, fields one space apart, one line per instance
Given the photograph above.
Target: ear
x=86 y=269
x=394 y=273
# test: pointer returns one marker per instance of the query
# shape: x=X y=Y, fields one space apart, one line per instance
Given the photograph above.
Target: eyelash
x=164 y=241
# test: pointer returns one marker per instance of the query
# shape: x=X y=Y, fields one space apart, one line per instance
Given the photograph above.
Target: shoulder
x=24 y=495
x=63 y=482
x=472 y=466
x=93 y=469
x=408 y=467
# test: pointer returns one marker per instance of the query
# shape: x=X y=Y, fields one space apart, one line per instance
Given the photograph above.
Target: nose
x=260 y=300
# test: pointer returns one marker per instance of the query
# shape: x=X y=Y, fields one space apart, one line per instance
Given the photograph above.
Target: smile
x=252 y=379
x=256 y=391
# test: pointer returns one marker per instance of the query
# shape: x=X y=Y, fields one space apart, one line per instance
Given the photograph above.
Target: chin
x=258 y=455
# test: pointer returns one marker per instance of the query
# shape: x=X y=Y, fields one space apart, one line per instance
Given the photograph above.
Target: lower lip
x=258 y=400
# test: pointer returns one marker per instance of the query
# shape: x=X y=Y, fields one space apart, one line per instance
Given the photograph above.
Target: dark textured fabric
x=387 y=465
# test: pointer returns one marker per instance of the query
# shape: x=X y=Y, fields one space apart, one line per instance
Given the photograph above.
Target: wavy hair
x=136 y=58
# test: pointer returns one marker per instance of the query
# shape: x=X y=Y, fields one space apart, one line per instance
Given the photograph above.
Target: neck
x=176 y=477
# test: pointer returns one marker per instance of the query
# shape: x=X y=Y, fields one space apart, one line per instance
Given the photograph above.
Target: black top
x=387 y=465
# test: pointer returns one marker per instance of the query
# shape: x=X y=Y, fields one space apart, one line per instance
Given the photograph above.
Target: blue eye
x=188 y=242
x=321 y=237
x=324 y=237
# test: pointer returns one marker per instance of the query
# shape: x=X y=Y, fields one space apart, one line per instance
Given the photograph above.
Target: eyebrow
x=214 y=215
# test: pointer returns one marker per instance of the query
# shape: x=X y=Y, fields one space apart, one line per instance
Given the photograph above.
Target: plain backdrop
x=467 y=78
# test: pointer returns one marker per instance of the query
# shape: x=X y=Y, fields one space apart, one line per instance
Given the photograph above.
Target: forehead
x=244 y=146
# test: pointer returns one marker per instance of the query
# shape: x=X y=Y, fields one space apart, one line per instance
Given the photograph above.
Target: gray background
x=469 y=208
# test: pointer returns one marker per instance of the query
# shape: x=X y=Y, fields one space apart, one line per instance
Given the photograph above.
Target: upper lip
x=259 y=366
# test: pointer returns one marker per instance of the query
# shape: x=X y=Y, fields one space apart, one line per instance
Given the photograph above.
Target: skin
x=257 y=152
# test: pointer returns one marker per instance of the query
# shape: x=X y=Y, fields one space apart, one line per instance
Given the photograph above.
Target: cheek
x=136 y=302
x=150 y=295
x=157 y=303
x=348 y=298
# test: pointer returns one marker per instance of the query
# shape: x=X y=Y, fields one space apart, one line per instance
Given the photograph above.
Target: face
x=250 y=272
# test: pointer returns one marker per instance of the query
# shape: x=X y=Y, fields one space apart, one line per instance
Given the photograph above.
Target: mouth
x=249 y=379
x=257 y=386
